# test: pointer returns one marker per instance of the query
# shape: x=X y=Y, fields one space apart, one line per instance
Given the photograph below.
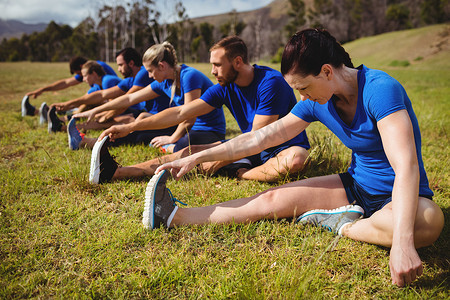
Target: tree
x=398 y=16
x=233 y=26
x=434 y=11
x=296 y=17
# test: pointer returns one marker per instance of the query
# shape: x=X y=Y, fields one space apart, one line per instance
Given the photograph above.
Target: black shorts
x=357 y=195
x=142 y=137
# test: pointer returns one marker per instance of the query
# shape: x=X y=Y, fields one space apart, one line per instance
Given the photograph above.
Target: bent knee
x=295 y=158
x=431 y=222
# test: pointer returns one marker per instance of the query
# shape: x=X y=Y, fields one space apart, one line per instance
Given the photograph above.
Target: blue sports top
x=106 y=67
x=268 y=94
x=192 y=79
x=108 y=81
x=379 y=95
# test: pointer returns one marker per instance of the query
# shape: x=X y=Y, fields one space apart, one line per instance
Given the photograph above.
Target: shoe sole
x=49 y=122
x=94 y=172
x=69 y=135
x=149 y=208
x=42 y=118
x=347 y=208
x=24 y=109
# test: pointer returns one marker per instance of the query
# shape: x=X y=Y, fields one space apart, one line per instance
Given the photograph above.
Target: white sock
x=169 y=220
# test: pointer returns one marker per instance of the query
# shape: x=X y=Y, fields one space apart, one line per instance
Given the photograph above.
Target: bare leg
x=289 y=200
x=87 y=143
x=290 y=160
x=378 y=229
x=148 y=168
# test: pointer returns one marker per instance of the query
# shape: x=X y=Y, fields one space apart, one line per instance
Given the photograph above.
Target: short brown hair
x=93 y=66
x=234 y=46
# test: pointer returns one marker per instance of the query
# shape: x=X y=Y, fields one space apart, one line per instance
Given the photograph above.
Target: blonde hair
x=163 y=52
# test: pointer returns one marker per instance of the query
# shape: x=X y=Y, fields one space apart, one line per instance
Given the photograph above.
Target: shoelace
x=175 y=199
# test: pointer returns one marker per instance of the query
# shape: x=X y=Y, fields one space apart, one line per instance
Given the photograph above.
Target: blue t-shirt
x=105 y=66
x=268 y=94
x=379 y=95
x=192 y=79
x=108 y=81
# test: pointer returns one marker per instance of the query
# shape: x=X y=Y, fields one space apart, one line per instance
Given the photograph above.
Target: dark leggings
x=197 y=137
x=142 y=137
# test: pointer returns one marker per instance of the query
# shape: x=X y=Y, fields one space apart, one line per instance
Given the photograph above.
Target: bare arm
x=243 y=145
x=398 y=143
x=96 y=97
x=164 y=119
x=183 y=127
x=121 y=102
x=57 y=85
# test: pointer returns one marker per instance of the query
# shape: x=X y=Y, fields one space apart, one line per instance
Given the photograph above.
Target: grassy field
x=61 y=237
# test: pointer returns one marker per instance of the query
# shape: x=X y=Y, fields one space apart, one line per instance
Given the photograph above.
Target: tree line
x=138 y=24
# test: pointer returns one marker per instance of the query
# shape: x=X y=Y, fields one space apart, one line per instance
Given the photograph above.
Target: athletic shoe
x=54 y=123
x=160 y=205
x=27 y=108
x=164 y=148
x=333 y=219
x=43 y=111
x=103 y=165
x=74 y=135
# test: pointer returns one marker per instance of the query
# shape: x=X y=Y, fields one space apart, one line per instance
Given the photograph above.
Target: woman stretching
x=386 y=183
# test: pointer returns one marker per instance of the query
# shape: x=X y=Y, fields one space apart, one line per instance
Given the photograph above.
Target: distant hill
x=14 y=28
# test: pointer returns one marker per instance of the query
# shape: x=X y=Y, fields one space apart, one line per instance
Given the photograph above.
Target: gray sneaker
x=332 y=219
x=160 y=205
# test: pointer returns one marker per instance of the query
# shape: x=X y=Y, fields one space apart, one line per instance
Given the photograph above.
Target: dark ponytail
x=308 y=50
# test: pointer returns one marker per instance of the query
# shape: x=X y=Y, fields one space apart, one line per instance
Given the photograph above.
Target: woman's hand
x=405 y=265
x=89 y=114
x=115 y=132
x=160 y=141
x=178 y=167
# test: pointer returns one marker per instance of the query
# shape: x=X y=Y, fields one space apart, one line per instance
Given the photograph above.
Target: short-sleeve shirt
x=105 y=66
x=379 y=95
x=192 y=79
x=108 y=81
x=268 y=94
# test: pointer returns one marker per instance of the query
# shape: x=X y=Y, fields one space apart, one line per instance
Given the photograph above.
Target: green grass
x=61 y=237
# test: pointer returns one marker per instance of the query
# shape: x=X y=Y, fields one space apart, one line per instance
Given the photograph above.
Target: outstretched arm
x=164 y=119
x=183 y=127
x=121 y=102
x=241 y=146
x=55 y=86
x=96 y=97
x=398 y=143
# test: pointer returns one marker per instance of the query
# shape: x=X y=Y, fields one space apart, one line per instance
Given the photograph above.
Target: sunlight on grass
x=62 y=237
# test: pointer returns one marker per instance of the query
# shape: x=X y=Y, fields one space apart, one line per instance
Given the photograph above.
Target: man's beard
x=230 y=77
x=128 y=72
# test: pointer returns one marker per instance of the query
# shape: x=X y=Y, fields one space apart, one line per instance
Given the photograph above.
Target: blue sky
x=73 y=11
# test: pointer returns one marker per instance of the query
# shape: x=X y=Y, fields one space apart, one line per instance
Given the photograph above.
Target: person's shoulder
x=187 y=70
x=267 y=72
x=142 y=71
